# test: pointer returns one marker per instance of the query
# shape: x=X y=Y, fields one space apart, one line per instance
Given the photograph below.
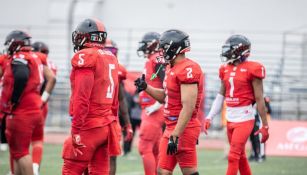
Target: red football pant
x=20 y=131
x=150 y=135
x=238 y=133
x=186 y=155
x=95 y=154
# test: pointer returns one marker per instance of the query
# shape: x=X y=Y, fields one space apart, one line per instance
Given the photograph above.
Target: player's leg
x=187 y=154
x=93 y=138
x=21 y=127
x=166 y=162
x=99 y=165
x=113 y=165
x=149 y=134
x=37 y=146
x=146 y=151
x=238 y=134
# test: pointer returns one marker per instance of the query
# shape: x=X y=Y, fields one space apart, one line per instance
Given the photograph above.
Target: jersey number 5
x=110 y=90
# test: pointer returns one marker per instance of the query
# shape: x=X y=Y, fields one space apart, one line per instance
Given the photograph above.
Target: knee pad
x=196 y=173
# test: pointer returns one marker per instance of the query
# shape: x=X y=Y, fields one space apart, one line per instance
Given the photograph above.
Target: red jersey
x=30 y=100
x=94 y=86
x=42 y=57
x=52 y=67
x=184 y=72
x=122 y=75
x=150 y=68
x=3 y=62
x=238 y=82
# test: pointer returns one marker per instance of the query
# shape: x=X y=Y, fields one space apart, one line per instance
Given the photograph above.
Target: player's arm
x=51 y=80
x=216 y=107
x=188 y=100
x=156 y=93
x=258 y=93
x=123 y=109
x=84 y=81
x=123 y=106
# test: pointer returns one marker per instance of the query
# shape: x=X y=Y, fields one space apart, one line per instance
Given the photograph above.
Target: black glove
x=172 y=145
x=140 y=83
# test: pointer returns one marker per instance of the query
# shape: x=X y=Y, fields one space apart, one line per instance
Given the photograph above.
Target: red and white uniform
x=240 y=118
x=26 y=120
x=239 y=95
x=185 y=71
x=94 y=85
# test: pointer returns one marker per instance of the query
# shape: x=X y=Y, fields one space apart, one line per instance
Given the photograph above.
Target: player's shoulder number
x=189 y=72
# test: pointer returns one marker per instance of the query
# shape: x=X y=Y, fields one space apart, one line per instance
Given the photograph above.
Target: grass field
x=211 y=162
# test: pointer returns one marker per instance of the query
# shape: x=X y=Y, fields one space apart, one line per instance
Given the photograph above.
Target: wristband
x=45 y=96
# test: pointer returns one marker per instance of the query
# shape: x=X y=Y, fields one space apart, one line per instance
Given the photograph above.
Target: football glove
x=264 y=131
x=172 y=145
x=77 y=144
x=129 y=133
x=140 y=83
x=207 y=125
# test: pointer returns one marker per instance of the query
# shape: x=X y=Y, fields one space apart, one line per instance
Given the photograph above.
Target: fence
x=267 y=47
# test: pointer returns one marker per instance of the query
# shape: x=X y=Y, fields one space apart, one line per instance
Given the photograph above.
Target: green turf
x=211 y=162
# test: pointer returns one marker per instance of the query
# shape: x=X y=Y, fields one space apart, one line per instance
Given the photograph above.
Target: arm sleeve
x=21 y=75
x=221 y=72
x=257 y=71
x=84 y=81
x=190 y=74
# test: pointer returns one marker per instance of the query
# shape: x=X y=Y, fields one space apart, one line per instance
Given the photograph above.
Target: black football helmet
x=17 y=40
x=149 y=44
x=39 y=46
x=237 y=47
x=111 y=46
x=172 y=43
x=89 y=33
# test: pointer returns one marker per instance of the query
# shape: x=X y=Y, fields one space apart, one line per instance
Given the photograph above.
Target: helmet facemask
x=92 y=39
x=147 y=48
x=230 y=54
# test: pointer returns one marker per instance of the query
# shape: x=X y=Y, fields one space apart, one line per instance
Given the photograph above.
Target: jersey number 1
x=110 y=90
x=232 y=86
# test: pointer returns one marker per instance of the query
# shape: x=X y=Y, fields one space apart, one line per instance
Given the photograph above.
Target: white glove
x=153 y=108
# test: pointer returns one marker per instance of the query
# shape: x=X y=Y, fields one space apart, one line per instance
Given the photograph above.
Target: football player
x=181 y=93
x=20 y=99
x=241 y=87
x=41 y=50
x=152 y=111
x=94 y=86
x=121 y=105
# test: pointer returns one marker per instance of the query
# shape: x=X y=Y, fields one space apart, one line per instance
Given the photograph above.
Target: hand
x=264 y=133
x=77 y=144
x=207 y=125
x=172 y=145
x=140 y=83
x=129 y=133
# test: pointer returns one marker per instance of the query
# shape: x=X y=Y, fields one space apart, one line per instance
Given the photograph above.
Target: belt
x=172 y=118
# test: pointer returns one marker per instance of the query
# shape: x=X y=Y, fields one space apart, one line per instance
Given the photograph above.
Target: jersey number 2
x=110 y=90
